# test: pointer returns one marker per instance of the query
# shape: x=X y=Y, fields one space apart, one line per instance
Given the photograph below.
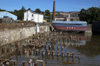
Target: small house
x=33 y=16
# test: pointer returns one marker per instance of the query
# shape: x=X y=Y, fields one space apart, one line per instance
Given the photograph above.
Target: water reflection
x=91 y=49
x=58 y=50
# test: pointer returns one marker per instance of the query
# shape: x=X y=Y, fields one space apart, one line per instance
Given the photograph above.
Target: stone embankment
x=10 y=32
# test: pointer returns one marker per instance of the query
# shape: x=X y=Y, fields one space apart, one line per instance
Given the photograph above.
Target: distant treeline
x=20 y=13
x=90 y=15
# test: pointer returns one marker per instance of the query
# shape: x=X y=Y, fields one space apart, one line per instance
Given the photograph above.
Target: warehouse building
x=5 y=14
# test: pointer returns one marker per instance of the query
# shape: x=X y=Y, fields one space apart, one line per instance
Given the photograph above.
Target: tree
x=90 y=15
x=20 y=13
x=47 y=12
x=38 y=10
x=83 y=15
x=42 y=12
x=2 y=9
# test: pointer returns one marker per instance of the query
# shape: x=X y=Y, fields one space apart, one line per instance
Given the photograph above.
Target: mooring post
x=43 y=64
x=45 y=46
x=13 y=62
x=62 y=48
x=36 y=52
x=23 y=63
x=8 y=50
x=3 y=50
x=35 y=64
x=53 y=53
x=68 y=54
x=49 y=47
x=57 y=53
x=48 y=52
x=62 y=53
x=79 y=55
x=19 y=52
x=24 y=51
x=30 y=52
x=43 y=53
x=72 y=54
x=7 y=64
x=30 y=61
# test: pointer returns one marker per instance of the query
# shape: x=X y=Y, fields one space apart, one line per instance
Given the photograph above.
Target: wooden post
x=79 y=55
x=8 y=50
x=49 y=47
x=57 y=53
x=35 y=64
x=24 y=63
x=62 y=47
x=48 y=52
x=19 y=52
x=30 y=61
x=53 y=53
x=68 y=54
x=43 y=53
x=72 y=54
x=45 y=46
x=36 y=52
x=30 y=52
x=3 y=50
x=24 y=51
x=62 y=53
x=43 y=64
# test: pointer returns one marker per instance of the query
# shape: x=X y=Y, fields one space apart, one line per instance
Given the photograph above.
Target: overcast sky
x=61 y=5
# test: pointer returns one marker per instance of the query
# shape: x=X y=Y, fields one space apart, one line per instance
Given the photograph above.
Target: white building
x=32 y=16
x=7 y=14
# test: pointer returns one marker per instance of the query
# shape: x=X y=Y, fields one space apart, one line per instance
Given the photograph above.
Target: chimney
x=54 y=10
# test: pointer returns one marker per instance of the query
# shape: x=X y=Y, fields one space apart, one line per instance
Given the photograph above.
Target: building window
x=76 y=15
x=72 y=15
x=71 y=20
x=31 y=19
x=32 y=15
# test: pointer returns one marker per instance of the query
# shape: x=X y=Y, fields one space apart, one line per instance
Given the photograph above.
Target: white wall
x=38 y=18
x=28 y=16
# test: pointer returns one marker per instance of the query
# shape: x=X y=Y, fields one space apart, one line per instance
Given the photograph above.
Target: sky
x=61 y=5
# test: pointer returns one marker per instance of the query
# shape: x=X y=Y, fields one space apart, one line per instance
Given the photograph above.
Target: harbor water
x=53 y=49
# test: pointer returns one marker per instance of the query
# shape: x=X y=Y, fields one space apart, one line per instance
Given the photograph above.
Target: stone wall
x=13 y=34
x=44 y=28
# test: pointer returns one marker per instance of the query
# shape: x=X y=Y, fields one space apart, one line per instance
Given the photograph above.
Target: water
x=87 y=45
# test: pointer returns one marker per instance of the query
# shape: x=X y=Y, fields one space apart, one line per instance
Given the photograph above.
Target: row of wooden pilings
x=24 y=63
x=68 y=54
x=43 y=52
x=48 y=51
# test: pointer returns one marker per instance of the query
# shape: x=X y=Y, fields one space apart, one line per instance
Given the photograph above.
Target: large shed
x=7 y=14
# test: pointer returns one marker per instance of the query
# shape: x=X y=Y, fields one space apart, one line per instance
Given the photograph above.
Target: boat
x=65 y=24
x=70 y=25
